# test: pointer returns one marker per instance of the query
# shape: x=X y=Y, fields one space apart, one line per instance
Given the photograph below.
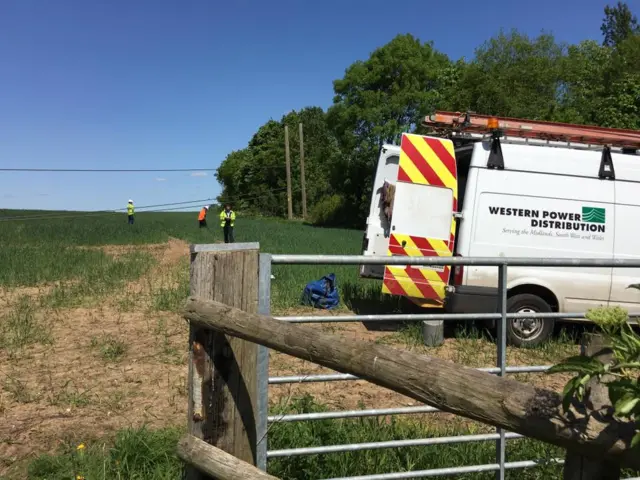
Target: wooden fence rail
x=217 y=463
x=501 y=402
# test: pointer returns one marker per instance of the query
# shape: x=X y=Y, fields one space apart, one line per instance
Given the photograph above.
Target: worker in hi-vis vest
x=227 y=220
x=202 y=217
x=130 y=212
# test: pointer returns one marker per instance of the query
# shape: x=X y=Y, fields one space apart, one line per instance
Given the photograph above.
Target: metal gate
x=500 y=437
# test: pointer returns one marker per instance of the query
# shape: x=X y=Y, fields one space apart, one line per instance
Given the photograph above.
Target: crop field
x=93 y=353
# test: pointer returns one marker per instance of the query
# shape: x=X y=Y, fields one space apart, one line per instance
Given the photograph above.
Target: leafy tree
x=321 y=153
x=621 y=105
x=583 y=87
x=386 y=95
x=601 y=85
x=374 y=103
x=254 y=178
x=513 y=75
x=230 y=174
x=618 y=24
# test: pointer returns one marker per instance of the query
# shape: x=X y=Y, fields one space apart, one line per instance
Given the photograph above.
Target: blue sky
x=169 y=84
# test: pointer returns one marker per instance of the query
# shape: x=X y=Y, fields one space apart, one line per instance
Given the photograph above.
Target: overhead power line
x=103 y=212
x=253 y=168
x=152 y=208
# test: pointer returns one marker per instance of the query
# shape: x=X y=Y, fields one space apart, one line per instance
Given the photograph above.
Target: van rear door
x=423 y=221
x=376 y=236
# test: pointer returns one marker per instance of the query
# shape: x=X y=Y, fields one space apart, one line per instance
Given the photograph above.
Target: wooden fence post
x=576 y=466
x=222 y=369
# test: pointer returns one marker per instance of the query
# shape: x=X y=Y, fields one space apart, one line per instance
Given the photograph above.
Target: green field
x=45 y=250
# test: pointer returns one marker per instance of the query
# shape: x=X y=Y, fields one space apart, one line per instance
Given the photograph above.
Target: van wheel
x=528 y=332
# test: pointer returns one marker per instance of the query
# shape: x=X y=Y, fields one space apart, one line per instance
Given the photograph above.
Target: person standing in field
x=202 y=217
x=130 y=212
x=227 y=221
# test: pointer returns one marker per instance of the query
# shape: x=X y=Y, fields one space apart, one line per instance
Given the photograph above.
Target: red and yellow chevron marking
x=428 y=161
x=424 y=161
x=417 y=282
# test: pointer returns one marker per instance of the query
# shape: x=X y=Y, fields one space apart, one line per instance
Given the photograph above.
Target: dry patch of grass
x=74 y=362
x=102 y=371
x=109 y=348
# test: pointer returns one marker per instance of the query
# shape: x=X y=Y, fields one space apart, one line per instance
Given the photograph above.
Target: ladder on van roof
x=452 y=123
x=516 y=127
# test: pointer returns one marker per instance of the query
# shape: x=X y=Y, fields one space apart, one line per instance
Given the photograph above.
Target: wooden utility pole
x=222 y=382
x=302 y=177
x=288 y=162
x=502 y=402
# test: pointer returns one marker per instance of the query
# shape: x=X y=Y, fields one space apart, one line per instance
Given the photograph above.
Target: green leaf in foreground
x=579 y=364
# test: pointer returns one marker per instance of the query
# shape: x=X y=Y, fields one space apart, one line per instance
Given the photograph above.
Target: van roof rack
x=454 y=124
x=448 y=123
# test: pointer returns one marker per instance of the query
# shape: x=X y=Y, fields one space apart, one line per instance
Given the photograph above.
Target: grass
x=109 y=348
x=150 y=454
x=167 y=353
x=40 y=263
x=368 y=462
x=41 y=251
x=21 y=326
x=71 y=396
x=135 y=454
x=19 y=390
x=475 y=347
x=170 y=293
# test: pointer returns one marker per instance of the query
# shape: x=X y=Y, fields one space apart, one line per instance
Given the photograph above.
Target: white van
x=516 y=197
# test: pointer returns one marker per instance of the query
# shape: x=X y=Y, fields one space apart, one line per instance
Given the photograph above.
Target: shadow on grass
x=563 y=333
x=368 y=299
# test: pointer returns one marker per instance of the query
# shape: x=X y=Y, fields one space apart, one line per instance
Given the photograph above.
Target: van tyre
x=523 y=332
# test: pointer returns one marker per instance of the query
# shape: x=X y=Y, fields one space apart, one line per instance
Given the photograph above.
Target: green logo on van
x=593 y=215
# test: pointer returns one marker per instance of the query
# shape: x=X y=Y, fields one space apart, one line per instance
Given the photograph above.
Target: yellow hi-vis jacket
x=130 y=209
x=224 y=215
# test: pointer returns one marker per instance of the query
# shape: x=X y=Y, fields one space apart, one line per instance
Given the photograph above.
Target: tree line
x=378 y=99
